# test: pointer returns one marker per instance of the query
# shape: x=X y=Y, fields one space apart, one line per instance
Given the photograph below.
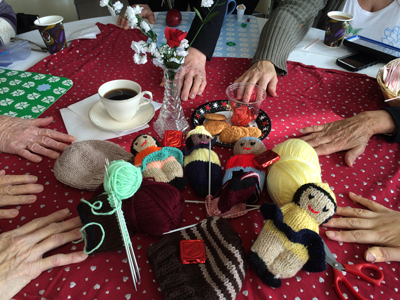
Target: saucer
x=100 y=117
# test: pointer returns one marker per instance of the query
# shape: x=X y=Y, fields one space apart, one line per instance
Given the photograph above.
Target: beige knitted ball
x=81 y=165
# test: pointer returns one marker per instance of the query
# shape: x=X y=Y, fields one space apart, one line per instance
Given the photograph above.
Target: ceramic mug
x=123 y=98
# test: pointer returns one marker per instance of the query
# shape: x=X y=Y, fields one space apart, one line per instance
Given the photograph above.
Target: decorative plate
x=263 y=122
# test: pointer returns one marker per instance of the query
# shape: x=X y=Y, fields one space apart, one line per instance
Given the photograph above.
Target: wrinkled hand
x=25 y=138
x=263 y=74
x=350 y=134
x=193 y=75
x=17 y=190
x=22 y=250
x=147 y=13
x=376 y=225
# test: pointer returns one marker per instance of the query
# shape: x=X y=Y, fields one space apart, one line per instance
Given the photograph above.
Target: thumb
x=272 y=86
x=352 y=154
x=151 y=18
x=381 y=254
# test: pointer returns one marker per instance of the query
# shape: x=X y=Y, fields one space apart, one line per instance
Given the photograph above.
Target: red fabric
x=307 y=96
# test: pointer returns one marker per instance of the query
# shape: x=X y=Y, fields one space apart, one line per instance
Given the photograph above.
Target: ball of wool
x=81 y=165
x=157 y=207
x=298 y=165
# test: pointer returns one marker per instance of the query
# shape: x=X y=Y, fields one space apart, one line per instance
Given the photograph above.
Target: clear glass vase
x=171 y=115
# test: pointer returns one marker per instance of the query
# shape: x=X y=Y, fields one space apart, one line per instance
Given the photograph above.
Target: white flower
x=103 y=3
x=145 y=26
x=118 y=6
x=152 y=47
x=111 y=10
x=176 y=60
x=137 y=10
x=139 y=47
x=130 y=15
x=181 y=52
x=207 y=3
x=140 y=59
x=184 y=44
x=158 y=62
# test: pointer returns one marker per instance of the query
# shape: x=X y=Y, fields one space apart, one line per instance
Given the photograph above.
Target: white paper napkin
x=84 y=33
x=78 y=124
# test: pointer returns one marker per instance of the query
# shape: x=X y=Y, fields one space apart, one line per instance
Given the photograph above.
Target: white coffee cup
x=125 y=108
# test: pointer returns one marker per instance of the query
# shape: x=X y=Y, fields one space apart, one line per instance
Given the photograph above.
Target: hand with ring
x=193 y=75
x=26 y=139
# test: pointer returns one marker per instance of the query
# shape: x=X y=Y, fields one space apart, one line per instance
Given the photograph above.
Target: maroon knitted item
x=220 y=277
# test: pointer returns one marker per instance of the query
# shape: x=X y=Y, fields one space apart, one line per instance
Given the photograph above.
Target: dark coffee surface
x=120 y=94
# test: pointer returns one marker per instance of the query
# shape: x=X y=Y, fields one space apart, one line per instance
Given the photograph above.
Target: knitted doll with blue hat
x=164 y=164
x=196 y=162
x=289 y=240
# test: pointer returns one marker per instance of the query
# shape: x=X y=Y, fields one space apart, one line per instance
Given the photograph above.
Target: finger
x=352 y=154
x=53 y=137
x=355 y=236
x=56 y=240
x=355 y=212
x=381 y=254
x=248 y=93
x=7 y=200
x=187 y=84
x=8 y=213
x=61 y=260
x=40 y=223
x=162 y=82
x=22 y=189
x=17 y=179
x=120 y=21
x=42 y=122
x=272 y=87
x=151 y=18
x=39 y=149
x=371 y=205
x=29 y=155
x=202 y=86
x=2 y=172
x=195 y=87
x=351 y=223
x=310 y=129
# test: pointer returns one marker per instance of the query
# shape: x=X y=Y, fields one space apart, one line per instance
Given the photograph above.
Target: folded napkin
x=83 y=33
x=78 y=124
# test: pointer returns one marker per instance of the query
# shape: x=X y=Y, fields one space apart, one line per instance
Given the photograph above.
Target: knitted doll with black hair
x=196 y=162
x=164 y=164
x=289 y=240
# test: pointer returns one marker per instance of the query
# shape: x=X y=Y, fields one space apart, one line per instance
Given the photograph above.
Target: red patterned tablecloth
x=307 y=96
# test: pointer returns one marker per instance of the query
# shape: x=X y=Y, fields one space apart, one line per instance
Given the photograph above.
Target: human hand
x=24 y=138
x=263 y=74
x=350 y=134
x=146 y=13
x=22 y=250
x=192 y=80
x=376 y=225
x=17 y=190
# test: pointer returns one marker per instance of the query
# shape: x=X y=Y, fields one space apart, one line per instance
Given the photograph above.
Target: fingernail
x=192 y=96
x=374 y=255
x=184 y=98
x=301 y=130
x=14 y=213
x=330 y=234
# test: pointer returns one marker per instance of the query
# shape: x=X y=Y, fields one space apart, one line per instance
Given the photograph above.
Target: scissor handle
x=357 y=270
x=338 y=276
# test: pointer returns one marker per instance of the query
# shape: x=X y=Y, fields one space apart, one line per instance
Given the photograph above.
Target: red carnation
x=174 y=36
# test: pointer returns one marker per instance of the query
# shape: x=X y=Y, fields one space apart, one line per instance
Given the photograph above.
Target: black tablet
x=380 y=50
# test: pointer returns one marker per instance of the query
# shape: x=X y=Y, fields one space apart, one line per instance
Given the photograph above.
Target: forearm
x=207 y=38
x=287 y=25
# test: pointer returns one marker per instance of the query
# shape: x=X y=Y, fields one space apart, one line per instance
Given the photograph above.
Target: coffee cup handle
x=146 y=100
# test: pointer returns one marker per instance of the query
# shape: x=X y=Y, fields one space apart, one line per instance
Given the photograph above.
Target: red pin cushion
x=265 y=159
x=192 y=252
x=173 y=138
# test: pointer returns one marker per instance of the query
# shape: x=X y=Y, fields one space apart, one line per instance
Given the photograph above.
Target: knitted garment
x=289 y=240
x=196 y=162
x=113 y=239
x=220 y=277
x=142 y=154
x=81 y=165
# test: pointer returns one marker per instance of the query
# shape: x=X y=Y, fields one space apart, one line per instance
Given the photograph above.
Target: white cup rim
x=340 y=13
x=237 y=7
x=48 y=20
x=122 y=81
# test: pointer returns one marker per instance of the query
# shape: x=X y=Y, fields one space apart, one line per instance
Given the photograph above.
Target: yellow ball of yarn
x=298 y=165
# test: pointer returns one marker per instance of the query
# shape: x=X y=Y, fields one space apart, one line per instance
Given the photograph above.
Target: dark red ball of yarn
x=156 y=207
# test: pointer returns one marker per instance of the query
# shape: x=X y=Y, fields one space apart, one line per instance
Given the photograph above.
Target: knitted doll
x=162 y=164
x=196 y=162
x=289 y=240
x=242 y=163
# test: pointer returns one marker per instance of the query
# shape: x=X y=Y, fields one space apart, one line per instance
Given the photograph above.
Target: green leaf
x=172 y=65
x=211 y=16
x=198 y=14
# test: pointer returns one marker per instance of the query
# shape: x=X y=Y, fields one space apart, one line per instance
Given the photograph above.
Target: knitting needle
x=127 y=241
x=178 y=229
x=194 y=201
x=306 y=48
x=209 y=168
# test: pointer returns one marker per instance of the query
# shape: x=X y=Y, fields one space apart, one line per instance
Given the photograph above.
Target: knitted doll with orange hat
x=164 y=164
x=196 y=162
x=289 y=240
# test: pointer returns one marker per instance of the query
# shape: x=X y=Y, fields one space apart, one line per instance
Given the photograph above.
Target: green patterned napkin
x=26 y=95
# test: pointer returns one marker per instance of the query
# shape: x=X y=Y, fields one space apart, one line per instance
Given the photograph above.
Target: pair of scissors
x=356 y=269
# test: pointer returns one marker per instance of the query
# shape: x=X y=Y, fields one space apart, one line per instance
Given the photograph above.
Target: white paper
x=84 y=33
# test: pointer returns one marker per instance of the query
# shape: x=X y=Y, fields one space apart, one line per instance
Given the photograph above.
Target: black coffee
x=120 y=94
